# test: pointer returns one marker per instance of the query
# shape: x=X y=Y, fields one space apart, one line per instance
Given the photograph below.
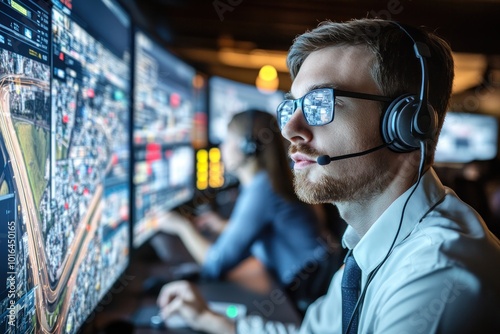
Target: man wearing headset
x=367 y=103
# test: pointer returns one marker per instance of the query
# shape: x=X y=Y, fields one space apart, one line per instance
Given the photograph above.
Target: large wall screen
x=87 y=235
x=64 y=188
x=25 y=145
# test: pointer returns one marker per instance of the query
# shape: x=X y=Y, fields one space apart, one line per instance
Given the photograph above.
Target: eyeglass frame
x=335 y=93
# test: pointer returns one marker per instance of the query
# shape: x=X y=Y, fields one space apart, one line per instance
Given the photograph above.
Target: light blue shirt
x=443 y=275
x=282 y=234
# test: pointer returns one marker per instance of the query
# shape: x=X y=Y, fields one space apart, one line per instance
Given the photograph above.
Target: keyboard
x=230 y=310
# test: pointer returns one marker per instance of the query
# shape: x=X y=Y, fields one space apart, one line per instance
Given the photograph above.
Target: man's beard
x=354 y=184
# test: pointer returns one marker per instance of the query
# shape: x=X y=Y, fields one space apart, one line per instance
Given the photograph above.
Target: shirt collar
x=370 y=250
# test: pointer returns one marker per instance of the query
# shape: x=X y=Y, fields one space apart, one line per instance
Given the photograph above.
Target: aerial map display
x=64 y=182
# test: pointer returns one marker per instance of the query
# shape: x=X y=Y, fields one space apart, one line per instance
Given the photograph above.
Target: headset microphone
x=325 y=159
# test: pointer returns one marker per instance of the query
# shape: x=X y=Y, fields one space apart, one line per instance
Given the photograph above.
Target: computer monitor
x=66 y=160
x=25 y=132
x=227 y=97
x=466 y=137
x=163 y=179
x=165 y=92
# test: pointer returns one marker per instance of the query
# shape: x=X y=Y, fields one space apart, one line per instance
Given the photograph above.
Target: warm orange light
x=214 y=154
x=216 y=169
x=202 y=169
x=267 y=87
x=268 y=73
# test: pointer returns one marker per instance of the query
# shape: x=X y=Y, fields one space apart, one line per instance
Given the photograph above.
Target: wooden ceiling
x=197 y=30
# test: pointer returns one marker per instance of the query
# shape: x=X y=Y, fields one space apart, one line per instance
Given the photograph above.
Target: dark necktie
x=351 y=282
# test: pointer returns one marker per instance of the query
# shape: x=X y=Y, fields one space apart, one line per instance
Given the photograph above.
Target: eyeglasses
x=318 y=106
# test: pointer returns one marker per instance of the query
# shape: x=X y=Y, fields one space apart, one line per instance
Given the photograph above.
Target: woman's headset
x=249 y=145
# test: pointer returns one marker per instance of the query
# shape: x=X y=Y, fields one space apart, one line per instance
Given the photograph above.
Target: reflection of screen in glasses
x=466 y=137
x=227 y=97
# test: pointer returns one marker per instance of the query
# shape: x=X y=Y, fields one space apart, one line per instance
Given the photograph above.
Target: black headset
x=410 y=119
x=250 y=145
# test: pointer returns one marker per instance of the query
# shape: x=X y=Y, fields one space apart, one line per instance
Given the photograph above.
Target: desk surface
x=248 y=284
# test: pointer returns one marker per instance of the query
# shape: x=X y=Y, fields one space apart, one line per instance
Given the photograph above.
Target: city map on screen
x=66 y=160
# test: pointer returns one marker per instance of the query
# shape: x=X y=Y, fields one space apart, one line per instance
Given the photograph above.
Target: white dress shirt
x=442 y=276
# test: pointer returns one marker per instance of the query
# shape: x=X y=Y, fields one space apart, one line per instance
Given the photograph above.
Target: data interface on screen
x=166 y=98
x=163 y=94
x=164 y=179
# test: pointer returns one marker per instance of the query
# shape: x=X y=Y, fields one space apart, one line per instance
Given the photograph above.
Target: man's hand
x=183 y=298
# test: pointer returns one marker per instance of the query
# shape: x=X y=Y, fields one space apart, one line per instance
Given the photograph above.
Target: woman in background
x=267 y=222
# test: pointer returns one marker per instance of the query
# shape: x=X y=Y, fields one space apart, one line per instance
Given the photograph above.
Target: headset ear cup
x=425 y=125
x=397 y=124
x=404 y=126
x=249 y=147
